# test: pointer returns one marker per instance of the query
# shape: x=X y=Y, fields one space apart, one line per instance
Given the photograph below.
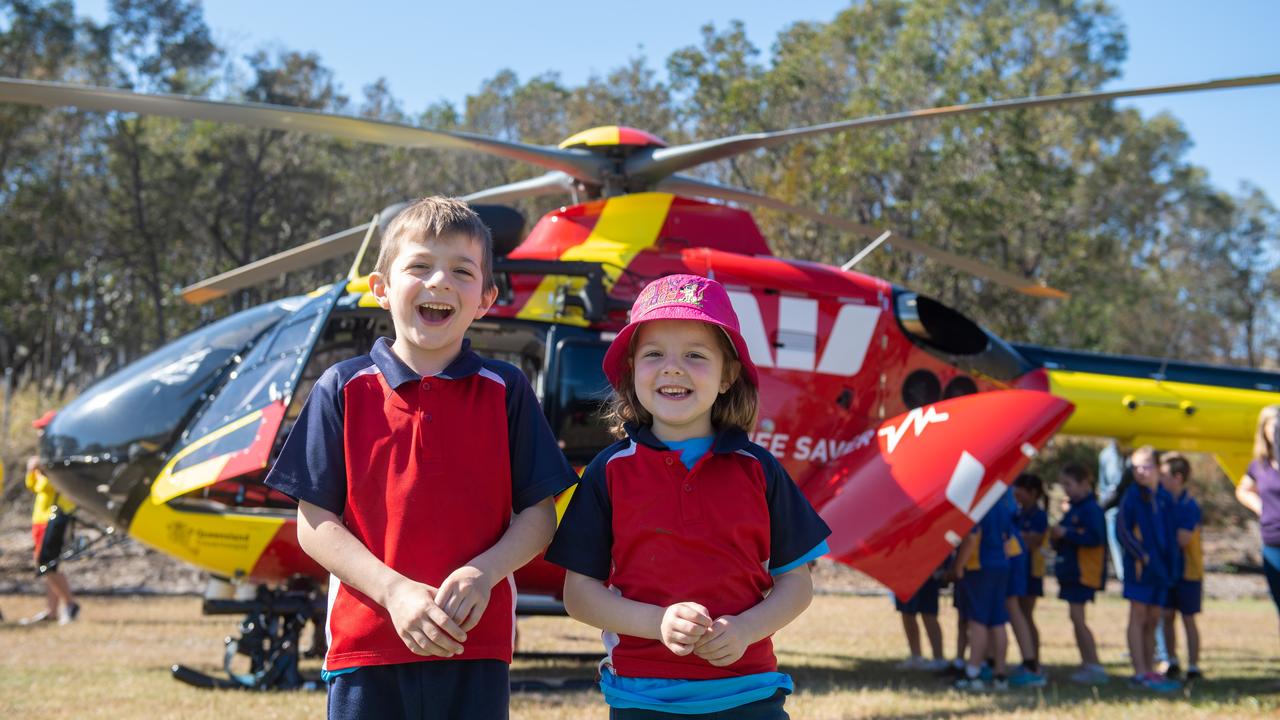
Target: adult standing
x=1259 y=490
x=50 y=519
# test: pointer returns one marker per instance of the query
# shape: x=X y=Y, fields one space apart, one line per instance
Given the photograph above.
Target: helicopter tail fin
x=901 y=503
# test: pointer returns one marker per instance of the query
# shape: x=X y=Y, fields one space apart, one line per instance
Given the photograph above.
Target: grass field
x=114 y=663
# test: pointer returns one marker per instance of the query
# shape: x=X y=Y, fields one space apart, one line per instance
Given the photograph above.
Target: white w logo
x=918 y=419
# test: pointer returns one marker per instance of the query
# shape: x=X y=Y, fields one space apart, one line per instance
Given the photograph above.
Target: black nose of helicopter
x=105 y=447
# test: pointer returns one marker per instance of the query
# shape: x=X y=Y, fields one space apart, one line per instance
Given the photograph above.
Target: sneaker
x=1000 y=684
x=1022 y=677
x=1155 y=682
x=1090 y=675
x=915 y=662
x=969 y=684
x=1173 y=672
x=936 y=665
x=986 y=673
x=1193 y=673
x=69 y=614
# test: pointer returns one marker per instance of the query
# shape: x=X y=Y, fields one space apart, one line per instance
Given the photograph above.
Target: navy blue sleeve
x=1188 y=515
x=312 y=464
x=584 y=540
x=539 y=469
x=795 y=530
x=1129 y=510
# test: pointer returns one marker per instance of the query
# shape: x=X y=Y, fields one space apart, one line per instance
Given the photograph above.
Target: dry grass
x=114 y=663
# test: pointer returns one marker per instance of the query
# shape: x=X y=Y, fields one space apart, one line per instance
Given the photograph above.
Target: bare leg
x=1000 y=646
x=60 y=587
x=1193 y=640
x=1021 y=632
x=1084 y=636
x=50 y=595
x=978 y=645
x=934 y=630
x=1028 y=605
x=962 y=636
x=1136 y=636
x=1149 y=636
x=913 y=633
x=1171 y=635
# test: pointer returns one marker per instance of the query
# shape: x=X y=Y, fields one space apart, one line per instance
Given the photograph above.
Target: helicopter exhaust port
x=950 y=336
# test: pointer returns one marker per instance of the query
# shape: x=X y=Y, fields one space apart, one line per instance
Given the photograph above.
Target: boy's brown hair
x=736 y=407
x=437 y=217
x=1178 y=465
x=1077 y=472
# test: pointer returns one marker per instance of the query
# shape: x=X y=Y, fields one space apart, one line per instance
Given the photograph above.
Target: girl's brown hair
x=736 y=407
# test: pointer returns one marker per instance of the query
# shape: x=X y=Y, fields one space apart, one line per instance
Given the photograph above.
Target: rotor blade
x=269 y=268
x=578 y=163
x=692 y=186
x=650 y=167
x=552 y=183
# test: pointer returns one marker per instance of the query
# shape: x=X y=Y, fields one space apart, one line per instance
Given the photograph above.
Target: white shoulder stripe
x=631 y=450
x=371 y=370
x=487 y=373
x=748 y=454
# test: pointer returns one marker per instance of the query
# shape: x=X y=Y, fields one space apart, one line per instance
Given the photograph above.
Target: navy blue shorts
x=925 y=600
x=430 y=690
x=769 y=708
x=985 y=591
x=1074 y=592
x=1035 y=587
x=1019 y=570
x=1145 y=594
x=1185 y=597
x=959 y=600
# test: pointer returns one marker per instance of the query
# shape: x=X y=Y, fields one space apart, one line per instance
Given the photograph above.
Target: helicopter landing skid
x=270 y=638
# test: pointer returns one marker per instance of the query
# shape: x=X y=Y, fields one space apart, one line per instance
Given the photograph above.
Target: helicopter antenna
x=364 y=245
x=866 y=251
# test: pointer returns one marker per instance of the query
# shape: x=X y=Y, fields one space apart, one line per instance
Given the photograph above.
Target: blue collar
x=726 y=441
x=398 y=373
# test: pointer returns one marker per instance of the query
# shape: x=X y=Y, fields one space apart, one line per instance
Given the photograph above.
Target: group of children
x=425 y=476
x=998 y=573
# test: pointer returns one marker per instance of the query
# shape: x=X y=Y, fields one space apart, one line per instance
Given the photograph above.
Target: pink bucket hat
x=679 y=297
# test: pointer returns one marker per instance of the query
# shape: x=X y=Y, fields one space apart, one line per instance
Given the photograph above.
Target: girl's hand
x=424 y=627
x=726 y=642
x=1058 y=532
x=464 y=595
x=683 y=625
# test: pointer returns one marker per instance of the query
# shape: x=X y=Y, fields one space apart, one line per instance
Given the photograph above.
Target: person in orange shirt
x=50 y=517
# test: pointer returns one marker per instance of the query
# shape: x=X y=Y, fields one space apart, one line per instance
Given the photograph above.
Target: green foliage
x=105 y=215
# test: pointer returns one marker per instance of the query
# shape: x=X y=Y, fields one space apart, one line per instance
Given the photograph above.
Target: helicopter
x=901 y=419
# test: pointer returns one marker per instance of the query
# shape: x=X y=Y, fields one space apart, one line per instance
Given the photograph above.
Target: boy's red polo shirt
x=661 y=534
x=425 y=472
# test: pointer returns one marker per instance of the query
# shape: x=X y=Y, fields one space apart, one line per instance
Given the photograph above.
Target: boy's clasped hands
x=687 y=628
x=435 y=621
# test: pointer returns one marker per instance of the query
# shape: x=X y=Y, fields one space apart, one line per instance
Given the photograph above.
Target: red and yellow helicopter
x=902 y=420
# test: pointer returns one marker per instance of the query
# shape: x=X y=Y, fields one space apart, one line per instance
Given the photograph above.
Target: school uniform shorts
x=429 y=690
x=1019 y=570
x=1074 y=592
x=1035 y=587
x=925 y=601
x=1185 y=597
x=1145 y=594
x=985 y=590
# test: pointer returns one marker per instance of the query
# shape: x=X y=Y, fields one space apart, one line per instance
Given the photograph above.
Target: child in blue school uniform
x=1188 y=591
x=1145 y=529
x=1028 y=674
x=1033 y=525
x=982 y=568
x=685 y=542
x=1081 y=563
x=923 y=606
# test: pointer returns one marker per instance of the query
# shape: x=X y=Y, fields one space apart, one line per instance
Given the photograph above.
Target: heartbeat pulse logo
x=919 y=419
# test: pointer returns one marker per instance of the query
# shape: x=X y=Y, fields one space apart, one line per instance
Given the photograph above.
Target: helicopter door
x=232 y=437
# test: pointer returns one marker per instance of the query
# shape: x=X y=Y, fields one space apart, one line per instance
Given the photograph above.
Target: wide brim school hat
x=679 y=297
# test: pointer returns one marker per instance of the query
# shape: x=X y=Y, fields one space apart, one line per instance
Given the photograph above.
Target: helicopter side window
x=578 y=399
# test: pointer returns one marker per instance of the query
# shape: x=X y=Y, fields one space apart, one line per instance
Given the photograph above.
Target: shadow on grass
x=853 y=674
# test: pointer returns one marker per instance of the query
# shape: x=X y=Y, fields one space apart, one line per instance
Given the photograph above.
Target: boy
x=1144 y=528
x=982 y=569
x=408 y=464
x=1081 y=563
x=1185 y=597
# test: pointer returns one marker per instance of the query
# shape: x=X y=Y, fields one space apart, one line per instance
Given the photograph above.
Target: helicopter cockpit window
x=159 y=390
x=266 y=374
x=581 y=391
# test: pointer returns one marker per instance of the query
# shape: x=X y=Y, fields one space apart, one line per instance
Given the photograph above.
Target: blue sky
x=430 y=50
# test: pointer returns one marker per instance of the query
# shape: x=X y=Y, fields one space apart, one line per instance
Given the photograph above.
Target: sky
x=430 y=50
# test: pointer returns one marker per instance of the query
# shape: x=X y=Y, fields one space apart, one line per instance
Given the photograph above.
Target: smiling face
x=679 y=369
x=434 y=290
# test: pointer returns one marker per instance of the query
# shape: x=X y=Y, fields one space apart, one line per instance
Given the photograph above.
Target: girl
x=1033 y=523
x=1081 y=565
x=686 y=543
